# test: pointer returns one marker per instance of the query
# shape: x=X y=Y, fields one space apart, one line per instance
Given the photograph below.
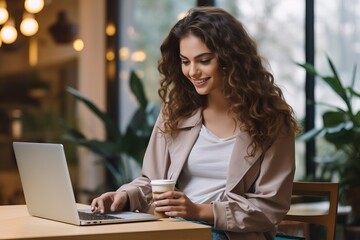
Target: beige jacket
x=258 y=189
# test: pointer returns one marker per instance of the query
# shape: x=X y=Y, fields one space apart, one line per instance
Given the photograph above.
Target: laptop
x=48 y=190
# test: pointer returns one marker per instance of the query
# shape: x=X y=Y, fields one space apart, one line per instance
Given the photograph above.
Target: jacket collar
x=192 y=121
x=240 y=162
x=181 y=146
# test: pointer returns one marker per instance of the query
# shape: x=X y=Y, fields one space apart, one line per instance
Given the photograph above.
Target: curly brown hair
x=254 y=98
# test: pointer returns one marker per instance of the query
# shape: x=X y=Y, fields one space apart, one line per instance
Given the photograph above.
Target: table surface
x=16 y=223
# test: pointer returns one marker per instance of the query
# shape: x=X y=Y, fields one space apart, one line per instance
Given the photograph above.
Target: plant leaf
x=111 y=127
x=73 y=132
x=353 y=92
x=336 y=85
x=353 y=77
x=331 y=106
x=138 y=90
x=331 y=119
x=104 y=148
x=311 y=134
x=309 y=68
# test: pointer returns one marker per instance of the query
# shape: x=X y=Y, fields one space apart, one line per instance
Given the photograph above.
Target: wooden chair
x=319 y=217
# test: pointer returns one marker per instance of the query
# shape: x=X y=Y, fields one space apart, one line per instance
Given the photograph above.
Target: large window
x=278 y=28
x=337 y=36
x=144 y=25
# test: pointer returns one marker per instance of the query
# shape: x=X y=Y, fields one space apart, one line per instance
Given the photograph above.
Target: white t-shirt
x=203 y=177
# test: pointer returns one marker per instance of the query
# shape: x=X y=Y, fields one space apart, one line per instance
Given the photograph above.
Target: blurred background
x=106 y=48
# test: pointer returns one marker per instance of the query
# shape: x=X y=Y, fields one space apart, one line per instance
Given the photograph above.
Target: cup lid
x=162 y=182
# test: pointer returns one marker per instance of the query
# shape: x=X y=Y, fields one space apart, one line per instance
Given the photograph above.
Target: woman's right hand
x=110 y=202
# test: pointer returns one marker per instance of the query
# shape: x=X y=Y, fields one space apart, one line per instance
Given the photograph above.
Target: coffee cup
x=160 y=186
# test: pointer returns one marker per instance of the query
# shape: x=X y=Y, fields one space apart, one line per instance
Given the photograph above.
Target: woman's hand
x=177 y=204
x=110 y=202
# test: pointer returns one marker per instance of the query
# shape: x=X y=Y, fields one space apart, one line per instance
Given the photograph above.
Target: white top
x=203 y=177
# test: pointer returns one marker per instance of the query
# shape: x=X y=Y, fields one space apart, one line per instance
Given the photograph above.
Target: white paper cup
x=160 y=186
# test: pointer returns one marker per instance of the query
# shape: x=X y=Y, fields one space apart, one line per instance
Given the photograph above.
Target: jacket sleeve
x=265 y=203
x=155 y=165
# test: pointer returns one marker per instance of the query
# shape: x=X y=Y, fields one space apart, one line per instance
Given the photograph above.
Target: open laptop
x=48 y=190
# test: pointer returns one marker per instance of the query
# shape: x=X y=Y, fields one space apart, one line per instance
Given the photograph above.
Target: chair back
x=325 y=218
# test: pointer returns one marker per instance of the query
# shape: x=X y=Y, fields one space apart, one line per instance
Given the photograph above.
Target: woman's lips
x=200 y=82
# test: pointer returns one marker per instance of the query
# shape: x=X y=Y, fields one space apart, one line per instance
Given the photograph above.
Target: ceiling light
x=34 y=6
x=63 y=31
x=4 y=14
x=29 y=26
x=78 y=45
x=110 y=29
x=8 y=32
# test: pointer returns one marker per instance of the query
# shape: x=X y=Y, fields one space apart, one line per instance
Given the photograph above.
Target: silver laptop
x=48 y=190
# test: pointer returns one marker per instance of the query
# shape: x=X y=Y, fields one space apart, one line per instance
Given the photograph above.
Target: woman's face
x=200 y=65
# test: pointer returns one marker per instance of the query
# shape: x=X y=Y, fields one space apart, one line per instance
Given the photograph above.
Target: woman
x=225 y=134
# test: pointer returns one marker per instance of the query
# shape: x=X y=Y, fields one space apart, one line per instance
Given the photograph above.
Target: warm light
x=138 y=56
x=4 y=14
x=124 y=53
x=33 y=52
x=0 y=42
x=110 y=55
x=78 y=45
x=34 y=6
x=29 y=26
x=8 y=33
x=110 y=29
x=111 y=70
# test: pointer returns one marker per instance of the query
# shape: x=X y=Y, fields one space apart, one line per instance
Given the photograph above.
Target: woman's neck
x=216 y=101
x=218 y=119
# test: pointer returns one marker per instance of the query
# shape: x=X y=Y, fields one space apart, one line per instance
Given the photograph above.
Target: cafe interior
x=81 y=67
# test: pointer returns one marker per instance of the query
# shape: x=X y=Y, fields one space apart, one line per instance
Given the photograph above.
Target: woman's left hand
x=177 y=204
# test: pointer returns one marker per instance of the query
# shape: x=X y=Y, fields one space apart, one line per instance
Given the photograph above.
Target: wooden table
x=16 y=223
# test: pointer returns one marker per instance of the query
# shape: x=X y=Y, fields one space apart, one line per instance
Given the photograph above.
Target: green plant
x=118 y=146
x=341 y=127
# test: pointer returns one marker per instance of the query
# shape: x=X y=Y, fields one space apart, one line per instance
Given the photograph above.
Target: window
x=278 y=28
x=337 y=35
x=144 y=25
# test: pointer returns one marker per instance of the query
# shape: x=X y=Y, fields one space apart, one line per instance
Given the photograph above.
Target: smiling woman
x=224 y=122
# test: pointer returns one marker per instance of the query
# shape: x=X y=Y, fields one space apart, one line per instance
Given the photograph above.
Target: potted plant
x=119 y=148
x=341 y=128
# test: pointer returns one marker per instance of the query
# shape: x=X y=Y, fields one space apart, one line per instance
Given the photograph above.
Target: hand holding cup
x=160 y=186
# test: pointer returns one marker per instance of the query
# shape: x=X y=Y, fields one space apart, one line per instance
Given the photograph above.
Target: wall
x=91 y=84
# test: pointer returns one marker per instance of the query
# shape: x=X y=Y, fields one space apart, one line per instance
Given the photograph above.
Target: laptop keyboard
x=95 y=216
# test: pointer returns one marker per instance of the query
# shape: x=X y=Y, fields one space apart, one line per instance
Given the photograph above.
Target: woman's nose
x=194 y=71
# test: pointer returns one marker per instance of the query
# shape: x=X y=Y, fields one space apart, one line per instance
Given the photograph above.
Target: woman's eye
x=185 y=62
x=205 y=61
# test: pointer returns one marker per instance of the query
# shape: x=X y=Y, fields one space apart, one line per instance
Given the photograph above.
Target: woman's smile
x=200 y=65
x=200 y=82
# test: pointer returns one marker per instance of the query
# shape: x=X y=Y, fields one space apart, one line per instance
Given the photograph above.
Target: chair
x=314 y=215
